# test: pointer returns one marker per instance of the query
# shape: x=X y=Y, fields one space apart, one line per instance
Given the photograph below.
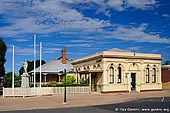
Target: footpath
x=74 y=100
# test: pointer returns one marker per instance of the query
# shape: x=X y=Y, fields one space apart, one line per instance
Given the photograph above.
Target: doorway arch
x=134 y=77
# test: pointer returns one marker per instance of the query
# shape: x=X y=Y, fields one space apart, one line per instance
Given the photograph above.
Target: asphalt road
x=151 y=105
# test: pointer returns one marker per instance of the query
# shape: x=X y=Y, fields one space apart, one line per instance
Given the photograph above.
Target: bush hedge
x=55 y=84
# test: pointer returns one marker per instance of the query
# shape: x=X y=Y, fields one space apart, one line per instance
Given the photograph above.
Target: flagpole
x=34 y=59
x=13 y=66
x=40 y=61
x=13 y=70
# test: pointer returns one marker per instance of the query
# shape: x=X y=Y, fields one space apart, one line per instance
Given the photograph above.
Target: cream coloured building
x=117 y=70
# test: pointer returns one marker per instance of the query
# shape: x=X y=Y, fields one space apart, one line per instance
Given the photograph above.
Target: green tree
x=70 y=79
x=3 y=49
x=17 y=81
x=31 y=66
x=167 y=62
x=8 y=80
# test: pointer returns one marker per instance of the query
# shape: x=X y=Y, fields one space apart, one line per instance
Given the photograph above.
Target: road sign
x=127 y=75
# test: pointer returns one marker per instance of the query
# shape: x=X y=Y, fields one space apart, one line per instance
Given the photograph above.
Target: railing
x=43 y=91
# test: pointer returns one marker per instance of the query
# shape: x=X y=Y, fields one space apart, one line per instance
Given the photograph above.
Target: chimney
x=64 y=56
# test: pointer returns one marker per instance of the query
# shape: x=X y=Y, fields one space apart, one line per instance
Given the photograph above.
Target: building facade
x=117 y=70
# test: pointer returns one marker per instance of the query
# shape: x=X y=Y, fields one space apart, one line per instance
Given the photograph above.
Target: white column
x=142 y=73
x=32 y=79
x=58 y=78
x=105 y=74
x=90 y=83
x=45 y=79
x=79 y=78
x=158 y=75
x=76 y=77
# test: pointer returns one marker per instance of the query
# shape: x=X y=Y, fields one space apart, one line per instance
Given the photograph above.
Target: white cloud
x=137 y=34
x=54 y=16
x=134 y=48
x=167 y=47
x=48 y=17
x=82 y=41
x=21 y=51
x=24 y=51
x=21 y=40
x=78 y=45
x=166 y=16
x=154 y=51
x=116 y=4
x=51 y=50
x=70 y=45
x=141 y=4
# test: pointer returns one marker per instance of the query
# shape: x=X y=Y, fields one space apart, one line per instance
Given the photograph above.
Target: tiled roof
x=55 y=66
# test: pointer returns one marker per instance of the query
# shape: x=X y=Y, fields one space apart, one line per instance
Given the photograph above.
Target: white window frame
x=147 y=75
x=111 y=75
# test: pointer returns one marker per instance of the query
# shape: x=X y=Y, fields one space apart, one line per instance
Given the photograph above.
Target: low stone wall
x=43 y=91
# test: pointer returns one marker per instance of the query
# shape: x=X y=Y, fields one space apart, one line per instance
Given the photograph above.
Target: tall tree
x=167 y=62
x=8 y=80
x=3 y=49
x=31 y=66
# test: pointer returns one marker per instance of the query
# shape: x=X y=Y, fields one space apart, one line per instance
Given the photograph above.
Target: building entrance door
x=133 y=81
x=94 y=82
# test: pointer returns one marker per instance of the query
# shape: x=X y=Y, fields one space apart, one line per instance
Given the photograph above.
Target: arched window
x=147 y=75
x=119 y=74
x=94 y=66
x=84 y=68
x=98 y=66
x=88 y=68
x=154 y=75
x=111 y=75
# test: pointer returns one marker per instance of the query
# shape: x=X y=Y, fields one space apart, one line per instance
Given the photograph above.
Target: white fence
x=43 y=91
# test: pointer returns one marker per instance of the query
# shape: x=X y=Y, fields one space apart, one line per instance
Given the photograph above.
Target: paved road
x=155 y=105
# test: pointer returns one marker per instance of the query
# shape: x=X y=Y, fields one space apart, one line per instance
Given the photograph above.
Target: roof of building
x=118 y=50
x=55 y=66
x=166 y=66
x=118 y=53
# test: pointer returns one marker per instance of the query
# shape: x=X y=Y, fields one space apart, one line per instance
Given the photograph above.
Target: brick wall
x=165 y=75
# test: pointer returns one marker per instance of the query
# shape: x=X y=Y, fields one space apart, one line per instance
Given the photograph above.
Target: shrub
x=70 y=79
x=44 y=85
x=84 y=81
x=55 y=84
x=52 y=84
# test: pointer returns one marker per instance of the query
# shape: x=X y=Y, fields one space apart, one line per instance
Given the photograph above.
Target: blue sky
x=83 y=27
